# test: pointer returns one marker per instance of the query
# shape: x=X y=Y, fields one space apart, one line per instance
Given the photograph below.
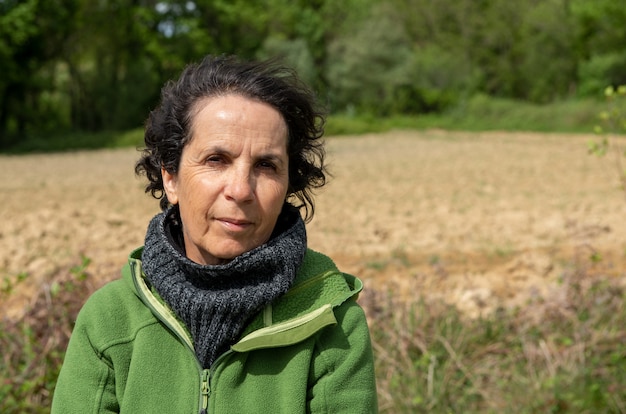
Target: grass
x=565 y=354
x=561 y=355
x=69 y=141
x=482 y=113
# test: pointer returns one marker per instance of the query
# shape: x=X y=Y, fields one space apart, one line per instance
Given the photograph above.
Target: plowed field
x=479 y=220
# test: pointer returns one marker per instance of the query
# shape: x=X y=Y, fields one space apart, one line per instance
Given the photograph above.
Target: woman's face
x=232 y=179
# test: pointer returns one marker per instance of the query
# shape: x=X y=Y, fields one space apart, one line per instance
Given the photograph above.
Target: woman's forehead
x=230 y=122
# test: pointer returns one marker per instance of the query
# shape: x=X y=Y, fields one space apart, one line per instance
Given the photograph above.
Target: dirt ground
x=481 y=220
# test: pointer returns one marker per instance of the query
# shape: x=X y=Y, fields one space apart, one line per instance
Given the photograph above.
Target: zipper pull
x=205 y=390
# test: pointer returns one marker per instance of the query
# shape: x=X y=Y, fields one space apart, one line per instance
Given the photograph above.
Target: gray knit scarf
x=216 y=302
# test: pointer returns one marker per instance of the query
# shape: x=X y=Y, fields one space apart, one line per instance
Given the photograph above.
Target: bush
x=34 y=345
x=565 y=354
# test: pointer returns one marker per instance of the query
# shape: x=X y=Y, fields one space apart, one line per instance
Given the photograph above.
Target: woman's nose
x=240 y=185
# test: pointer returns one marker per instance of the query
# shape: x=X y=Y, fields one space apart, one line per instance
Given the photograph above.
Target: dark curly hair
x=168 y=128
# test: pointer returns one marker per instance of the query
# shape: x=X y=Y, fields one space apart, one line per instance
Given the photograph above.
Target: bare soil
x=480 y=220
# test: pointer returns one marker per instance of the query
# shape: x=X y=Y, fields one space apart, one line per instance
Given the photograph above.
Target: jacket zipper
x=205 y=391
x=205 y=376
x=205 y=382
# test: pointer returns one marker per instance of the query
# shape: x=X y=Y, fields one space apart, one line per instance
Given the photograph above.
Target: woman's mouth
x=234 y=224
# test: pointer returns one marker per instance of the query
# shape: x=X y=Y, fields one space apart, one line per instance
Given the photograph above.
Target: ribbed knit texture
x=216 y=302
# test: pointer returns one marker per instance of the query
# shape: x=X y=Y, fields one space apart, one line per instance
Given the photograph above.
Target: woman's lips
x=234 y=224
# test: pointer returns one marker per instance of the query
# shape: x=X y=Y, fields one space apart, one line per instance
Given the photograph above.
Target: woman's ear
x=170 y=186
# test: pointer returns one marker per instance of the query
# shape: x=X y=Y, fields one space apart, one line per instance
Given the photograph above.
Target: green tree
x=115 y=70
x=367 y=65
x=298 y=31
x=32 y=36
x=548 y=32
x=601 y=29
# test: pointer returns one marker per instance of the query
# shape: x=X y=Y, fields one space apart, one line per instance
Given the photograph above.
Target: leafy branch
x=612 y=124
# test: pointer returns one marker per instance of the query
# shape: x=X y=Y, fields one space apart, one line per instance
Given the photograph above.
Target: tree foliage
x=32 y=37
x=99 y=65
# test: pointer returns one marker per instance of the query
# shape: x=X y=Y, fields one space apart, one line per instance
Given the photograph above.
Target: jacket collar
x=272 y=327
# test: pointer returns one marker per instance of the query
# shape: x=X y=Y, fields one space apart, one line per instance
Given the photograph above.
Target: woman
x=225 y=309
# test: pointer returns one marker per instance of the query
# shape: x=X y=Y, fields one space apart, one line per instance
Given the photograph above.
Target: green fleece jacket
x=309 y=352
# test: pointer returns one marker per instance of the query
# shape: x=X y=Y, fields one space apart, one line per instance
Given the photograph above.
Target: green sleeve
x=86 y=383
x=343 y=370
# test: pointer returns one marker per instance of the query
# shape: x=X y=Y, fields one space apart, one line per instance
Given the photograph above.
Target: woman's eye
x=213 y=159
x=267 y=165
